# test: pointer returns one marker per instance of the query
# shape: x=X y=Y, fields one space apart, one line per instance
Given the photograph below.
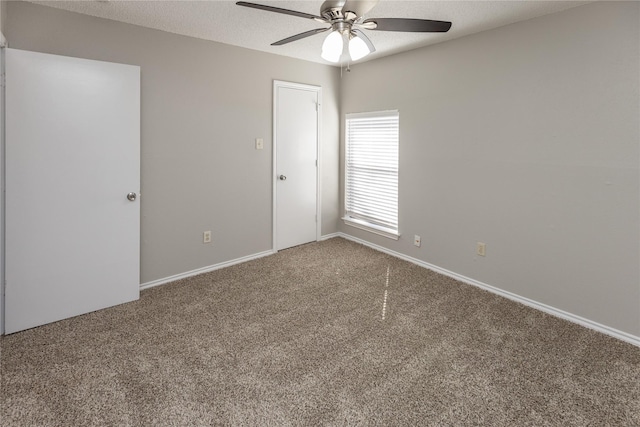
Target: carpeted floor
x=329 y=333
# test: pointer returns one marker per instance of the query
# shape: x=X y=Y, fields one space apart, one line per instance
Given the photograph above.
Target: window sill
x=372 y=228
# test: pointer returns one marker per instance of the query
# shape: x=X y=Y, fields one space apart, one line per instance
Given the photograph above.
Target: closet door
x=296 y=130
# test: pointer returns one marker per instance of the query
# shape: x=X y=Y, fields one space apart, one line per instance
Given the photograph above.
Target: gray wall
x=3 y=13
x=203 y=104
x=525 y=138
x=3 y=6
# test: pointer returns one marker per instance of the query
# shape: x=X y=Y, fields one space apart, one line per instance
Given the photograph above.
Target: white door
x=72 y=156
x=296 y=127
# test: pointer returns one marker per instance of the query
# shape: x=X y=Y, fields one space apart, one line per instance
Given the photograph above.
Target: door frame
x=318 y=90
x=3 y=45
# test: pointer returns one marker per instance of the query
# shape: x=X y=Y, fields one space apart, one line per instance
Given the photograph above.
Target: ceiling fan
x=347 y=20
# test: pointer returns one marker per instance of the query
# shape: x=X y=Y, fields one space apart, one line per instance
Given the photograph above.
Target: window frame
x=362 y=223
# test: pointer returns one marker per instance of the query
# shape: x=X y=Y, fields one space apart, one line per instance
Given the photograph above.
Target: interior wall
x=3 y=6
x=525 y=138
x=203 y=105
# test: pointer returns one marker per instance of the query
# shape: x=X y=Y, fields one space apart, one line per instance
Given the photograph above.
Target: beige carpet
x=315 y=335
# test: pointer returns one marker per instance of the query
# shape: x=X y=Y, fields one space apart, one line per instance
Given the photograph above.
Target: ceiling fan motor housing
x=332 y=9
x=332 y=14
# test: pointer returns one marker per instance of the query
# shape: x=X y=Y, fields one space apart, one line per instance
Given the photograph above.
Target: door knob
x=282 y=178
x=131 y=197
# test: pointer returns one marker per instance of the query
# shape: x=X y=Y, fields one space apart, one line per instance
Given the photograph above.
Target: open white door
x=72 y=157
x=296 y=136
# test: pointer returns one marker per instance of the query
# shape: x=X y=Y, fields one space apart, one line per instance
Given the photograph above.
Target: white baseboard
x=329 y=236
x=623 y=336
x=197 y=271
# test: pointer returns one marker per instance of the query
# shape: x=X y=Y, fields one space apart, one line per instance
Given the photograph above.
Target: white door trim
x=3 y=45
x=318 y=90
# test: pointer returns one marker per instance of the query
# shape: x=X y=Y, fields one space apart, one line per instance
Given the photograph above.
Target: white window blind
x=371 y=186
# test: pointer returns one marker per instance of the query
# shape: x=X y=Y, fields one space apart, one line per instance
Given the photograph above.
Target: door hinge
x=316 y=162
x=3 y=80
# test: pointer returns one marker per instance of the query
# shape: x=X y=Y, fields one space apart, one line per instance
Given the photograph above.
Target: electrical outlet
x=259 y=143
x=481 y=249
x=206 y=237
x=416 y=240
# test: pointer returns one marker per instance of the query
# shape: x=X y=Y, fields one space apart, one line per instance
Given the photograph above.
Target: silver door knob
x=131 y=197
x=282 y=178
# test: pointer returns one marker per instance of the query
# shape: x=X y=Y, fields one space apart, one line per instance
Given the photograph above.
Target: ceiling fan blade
x=364 y=38
x=280 y=10
x=409 y=25
x=300 y=36
x=359 y=7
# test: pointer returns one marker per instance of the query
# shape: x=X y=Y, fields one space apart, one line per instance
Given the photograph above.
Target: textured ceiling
x=223 y=21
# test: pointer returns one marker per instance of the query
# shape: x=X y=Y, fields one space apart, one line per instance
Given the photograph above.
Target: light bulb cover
x=332 y=47
x=358 y=48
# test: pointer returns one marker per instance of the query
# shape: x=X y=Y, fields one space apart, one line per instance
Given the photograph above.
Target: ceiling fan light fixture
x=358 y=49
x=332 y=47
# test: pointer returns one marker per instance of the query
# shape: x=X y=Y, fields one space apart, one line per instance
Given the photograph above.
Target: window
x=371 y=181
